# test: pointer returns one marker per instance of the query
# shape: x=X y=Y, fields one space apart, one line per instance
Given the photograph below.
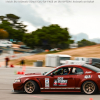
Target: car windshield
x=92 y=67
x=49 y=71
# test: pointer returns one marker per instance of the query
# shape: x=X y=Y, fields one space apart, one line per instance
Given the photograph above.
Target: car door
x=59 y=82
x=63 y=82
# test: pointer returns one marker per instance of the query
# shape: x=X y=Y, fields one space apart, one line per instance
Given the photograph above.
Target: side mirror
x=44 y=73
x=51 y=74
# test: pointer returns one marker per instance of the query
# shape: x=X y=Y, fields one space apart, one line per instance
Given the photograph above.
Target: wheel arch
x=34 y=81
x=89 y=80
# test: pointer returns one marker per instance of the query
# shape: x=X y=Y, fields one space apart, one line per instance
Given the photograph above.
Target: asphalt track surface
x=7 y=76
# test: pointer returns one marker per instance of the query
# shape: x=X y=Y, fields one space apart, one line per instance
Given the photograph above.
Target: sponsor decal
x=98 y=76
x=87 y=76
x=60 y=82
x=55 y=83
x=46 y=82
x=88 y=72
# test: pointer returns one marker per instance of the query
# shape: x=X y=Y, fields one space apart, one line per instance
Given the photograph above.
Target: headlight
x=17 y=80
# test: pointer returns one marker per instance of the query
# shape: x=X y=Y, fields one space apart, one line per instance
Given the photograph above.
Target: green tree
x=12 y=17
x=11 y=24
x=2 y=18
x=14 y=20
x=50 y=36
x=29 y=40
x=85 y=42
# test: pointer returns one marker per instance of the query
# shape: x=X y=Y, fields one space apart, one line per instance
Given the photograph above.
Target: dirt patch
x=29 y=60
x=15 y=46
x=88 y=51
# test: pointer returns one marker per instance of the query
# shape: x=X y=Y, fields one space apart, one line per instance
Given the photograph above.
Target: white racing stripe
x=60 y=88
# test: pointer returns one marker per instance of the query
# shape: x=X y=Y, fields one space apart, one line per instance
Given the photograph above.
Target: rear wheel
x=31 y=87
x=89 y=87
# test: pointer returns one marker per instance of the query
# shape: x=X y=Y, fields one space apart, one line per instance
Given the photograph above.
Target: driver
x=59 y=72
x=65 y=72
x=55 y=73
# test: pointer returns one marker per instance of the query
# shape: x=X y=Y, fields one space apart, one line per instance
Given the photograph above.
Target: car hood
x=33 y=74
x=29 y=75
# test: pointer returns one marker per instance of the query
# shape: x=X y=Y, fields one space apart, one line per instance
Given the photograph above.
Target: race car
x=66 y=78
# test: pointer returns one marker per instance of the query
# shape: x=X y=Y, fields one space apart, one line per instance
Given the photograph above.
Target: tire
x=31 y=87
x=89 y=87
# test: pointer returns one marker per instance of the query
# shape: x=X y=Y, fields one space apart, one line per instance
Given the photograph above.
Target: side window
x=67 y=71
x=79 y=70
x=58 y=71
x=76 y=71
x=61 y=71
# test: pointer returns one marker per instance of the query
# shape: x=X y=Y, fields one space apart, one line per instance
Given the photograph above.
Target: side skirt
x=72 y=89
x=58 y=91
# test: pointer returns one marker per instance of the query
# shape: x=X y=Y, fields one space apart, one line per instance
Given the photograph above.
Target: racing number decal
x=60 y=82
x=87 y=76
x=46 y=82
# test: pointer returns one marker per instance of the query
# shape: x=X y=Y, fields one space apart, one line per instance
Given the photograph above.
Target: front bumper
x=18 y=86
x=17 y=91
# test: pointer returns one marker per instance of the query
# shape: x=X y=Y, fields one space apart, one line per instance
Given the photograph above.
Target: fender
x=81 y=82
x=33 y=79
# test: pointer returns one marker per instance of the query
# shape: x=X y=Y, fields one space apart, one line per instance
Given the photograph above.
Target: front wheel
x=89 y=87
x=31 y=87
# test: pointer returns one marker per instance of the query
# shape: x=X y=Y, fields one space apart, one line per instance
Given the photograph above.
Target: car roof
x=87 y=66
x=75 y=65
x=70 y=65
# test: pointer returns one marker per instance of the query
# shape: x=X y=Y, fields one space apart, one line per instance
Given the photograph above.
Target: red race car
x=67 y=78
